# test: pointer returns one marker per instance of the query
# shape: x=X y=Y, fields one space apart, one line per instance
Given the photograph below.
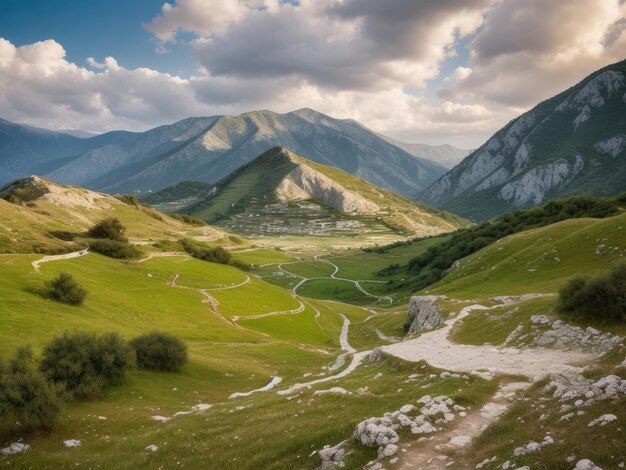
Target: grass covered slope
x=41 y=216
x=282 y=193
x=539 y=260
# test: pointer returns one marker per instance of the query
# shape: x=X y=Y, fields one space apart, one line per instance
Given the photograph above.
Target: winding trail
x=47 y=259
x=161 y=254
x=304 y=279
x=435 y=348
x=272 y=383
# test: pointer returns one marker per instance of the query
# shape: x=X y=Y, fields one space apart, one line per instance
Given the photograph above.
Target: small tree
x=110 y=228
x=66 y=290
x=25 y=394
x=83 y=363
x=160 y=351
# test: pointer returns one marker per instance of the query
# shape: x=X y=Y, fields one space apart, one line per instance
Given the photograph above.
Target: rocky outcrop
x=547 y=332
x=572 y=386
x=533 y=186
x=303 y=182
x=423 y=314
x=613 y=146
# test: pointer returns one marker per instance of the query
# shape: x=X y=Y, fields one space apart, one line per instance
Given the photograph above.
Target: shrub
x=597 y=298
x=115 y=249
x=25 y=394
x=188 y=219
x=83 y=363
x=160 y=351
x=212 y=254
x=110 y=228
x=66 y=290
x=130 y=199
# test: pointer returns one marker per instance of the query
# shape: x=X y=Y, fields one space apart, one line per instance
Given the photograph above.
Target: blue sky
x=94 y=28
x=451 y=71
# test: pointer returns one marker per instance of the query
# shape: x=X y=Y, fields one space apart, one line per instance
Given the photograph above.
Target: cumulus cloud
x=529 y=50
x=362 y=59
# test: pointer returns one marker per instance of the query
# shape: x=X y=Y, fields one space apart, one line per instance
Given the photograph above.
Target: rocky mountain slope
x=445 y=154
x=280 y=192
x=573 y=143
x=207 y=149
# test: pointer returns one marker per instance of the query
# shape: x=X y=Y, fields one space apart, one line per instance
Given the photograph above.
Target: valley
x=289 y=355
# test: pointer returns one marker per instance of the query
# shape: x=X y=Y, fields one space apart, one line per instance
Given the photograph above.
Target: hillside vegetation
x=282 y=194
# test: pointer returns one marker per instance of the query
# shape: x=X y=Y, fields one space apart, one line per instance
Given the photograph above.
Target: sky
x=429 y=71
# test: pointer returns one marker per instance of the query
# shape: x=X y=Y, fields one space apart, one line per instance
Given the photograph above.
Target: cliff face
x=570 y=144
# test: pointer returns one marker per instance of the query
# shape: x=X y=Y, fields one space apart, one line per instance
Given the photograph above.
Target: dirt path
x=272 y=383
x=161 y=255
x=435 y=348
x=454 y=443
x=47 y=259
x=357 y=284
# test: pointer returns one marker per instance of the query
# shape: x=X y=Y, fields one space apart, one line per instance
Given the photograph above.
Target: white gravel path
x=275 y=381
x=435 y=348
x=46 y=259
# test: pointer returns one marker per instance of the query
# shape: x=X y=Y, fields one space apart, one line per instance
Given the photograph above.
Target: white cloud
x=530 y=50
x=347 y=58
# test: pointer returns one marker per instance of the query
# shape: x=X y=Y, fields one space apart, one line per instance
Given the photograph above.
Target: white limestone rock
x=423 y=315
x=586 y=464
x=533 y=186
x=14 y=448
x=612 y=146
x=603 y=420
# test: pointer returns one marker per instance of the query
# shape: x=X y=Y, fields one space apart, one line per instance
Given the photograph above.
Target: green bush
x=110 y=228
x=597 y=298
x=25 y=394
x=115 y=249
x=83 y=363
x=212 y=254
x=66 y=290
x=160 y=351
x=189 y=219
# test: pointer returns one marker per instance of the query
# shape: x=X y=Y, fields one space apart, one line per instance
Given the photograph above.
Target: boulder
x=423 y=315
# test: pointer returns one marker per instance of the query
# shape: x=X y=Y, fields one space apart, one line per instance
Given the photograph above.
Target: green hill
x=280 y=193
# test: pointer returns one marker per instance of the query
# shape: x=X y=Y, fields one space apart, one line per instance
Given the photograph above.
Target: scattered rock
x=571 y=385
x=602 y=420
x=15 y=448
x=333 y=390
x=547 y=332
x=332 y=457
x=71 y=443
x=586 y=464
x=460 y=441
x=152 y=448
x=423 y=315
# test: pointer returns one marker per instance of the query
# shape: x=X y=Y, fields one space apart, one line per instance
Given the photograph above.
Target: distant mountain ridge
x=573 y=143
x=207 y=149
x=281 y=192
x=444 y=154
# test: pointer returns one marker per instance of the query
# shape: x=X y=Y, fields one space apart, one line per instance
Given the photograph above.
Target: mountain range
x=209 y=148
x=573 y=143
